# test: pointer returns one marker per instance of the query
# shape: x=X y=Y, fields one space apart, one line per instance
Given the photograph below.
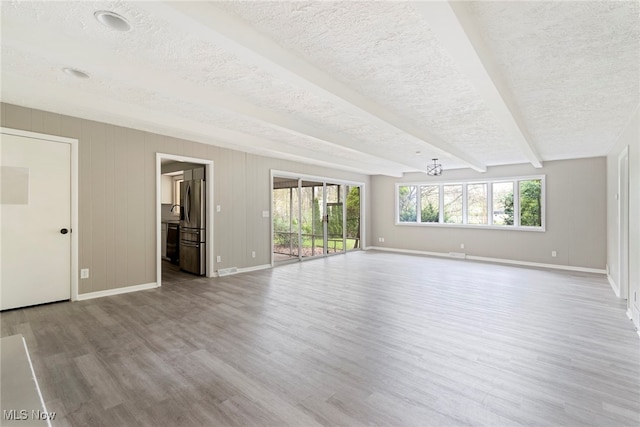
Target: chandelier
x=435 y=169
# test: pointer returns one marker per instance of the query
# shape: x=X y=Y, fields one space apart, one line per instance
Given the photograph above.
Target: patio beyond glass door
x=314 y=218
x=334 y=219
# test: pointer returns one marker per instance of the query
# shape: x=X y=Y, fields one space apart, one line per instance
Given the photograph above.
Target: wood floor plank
x=369 y=338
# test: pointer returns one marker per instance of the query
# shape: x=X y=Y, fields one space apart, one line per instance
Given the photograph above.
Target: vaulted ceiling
x=373 y=87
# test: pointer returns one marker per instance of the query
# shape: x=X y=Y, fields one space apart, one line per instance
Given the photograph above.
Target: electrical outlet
x=553 y=253
x=84 y=273
x=265 y=214
x=381 y=239
x=461 y=245
x=219 y=258
x=253 y=254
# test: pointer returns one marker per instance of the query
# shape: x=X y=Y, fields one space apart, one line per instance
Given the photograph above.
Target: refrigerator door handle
x=187 y=202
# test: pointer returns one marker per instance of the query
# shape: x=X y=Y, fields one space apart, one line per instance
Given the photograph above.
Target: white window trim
x=490 y=226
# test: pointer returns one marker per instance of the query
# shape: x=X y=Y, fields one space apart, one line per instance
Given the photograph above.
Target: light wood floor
x=368 y=338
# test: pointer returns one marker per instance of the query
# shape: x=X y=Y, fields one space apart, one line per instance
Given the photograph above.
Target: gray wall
x=117 y=200
x=630 y=137
x=575 y=217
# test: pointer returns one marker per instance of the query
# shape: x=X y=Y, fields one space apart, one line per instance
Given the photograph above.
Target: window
x=453 y=204
x=531 y=203
x=430 y=203
x=477 y=204
x=176 y=194
x=407 y=203
x=504 y=203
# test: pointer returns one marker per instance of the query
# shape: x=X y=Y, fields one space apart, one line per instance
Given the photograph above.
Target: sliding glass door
x=314 y=218
x=334 y=223
x=286 y=219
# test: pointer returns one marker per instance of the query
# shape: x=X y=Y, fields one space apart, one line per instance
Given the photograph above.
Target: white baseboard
x=407 y=251
x=254 y=268
x=117 y=291
x=245 y=270
x=614 y=285
x=493 y=260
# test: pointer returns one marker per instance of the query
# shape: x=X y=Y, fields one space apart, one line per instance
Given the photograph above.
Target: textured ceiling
x=362 y=86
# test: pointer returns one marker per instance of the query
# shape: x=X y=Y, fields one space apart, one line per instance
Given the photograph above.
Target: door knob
x=64 y=231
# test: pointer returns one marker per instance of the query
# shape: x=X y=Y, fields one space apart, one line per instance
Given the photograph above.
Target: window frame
x=515 y=180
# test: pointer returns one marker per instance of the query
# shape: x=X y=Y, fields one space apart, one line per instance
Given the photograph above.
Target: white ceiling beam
x=58 y=47
x=85 y=105
x=250 y=46
x=450 y=22
x=43 y=44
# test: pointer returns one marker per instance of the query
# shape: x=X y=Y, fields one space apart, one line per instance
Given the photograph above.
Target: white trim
x=623 y=229
x=614 y=285
x=254 y=268
x=294 y=175
x=35 y=380
x=629 y=314
x=245 y=270
x=75 y=229
x=407 y=251
x=36 y=135
x=209 y=242
x=471 y=226
x=117 y=291
x=493 y=260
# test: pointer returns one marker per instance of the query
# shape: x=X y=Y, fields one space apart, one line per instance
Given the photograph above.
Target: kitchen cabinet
x=198 y=173
x=166 y=189
x=163 y=238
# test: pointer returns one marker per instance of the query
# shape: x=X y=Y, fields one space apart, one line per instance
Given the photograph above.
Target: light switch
x=265 y=214
x=218 y=208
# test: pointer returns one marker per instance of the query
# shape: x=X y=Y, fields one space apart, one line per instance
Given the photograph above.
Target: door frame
x=75 y=229
x=208 y=164
x=623 y=225
x=324 y=180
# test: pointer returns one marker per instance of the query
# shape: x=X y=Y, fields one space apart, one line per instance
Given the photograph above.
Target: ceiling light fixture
x=435 y=169
x=76 y=73
x=112 y=20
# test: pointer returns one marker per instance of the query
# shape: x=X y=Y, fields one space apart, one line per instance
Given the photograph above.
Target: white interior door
x=35 y=200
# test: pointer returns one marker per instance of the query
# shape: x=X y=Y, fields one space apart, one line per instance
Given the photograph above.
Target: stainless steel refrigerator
x=192 y=227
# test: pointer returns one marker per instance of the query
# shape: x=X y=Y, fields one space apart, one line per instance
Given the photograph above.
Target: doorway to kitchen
x=184 y=218
x=314 y=217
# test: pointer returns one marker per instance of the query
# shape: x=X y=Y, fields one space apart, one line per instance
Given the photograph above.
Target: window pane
x=452 y=204
x=407 y=203
x=477 y=204
x=502 y=203
x=530 y=206
x=430 y=200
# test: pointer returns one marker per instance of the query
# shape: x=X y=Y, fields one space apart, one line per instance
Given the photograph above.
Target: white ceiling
x=360 y=86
